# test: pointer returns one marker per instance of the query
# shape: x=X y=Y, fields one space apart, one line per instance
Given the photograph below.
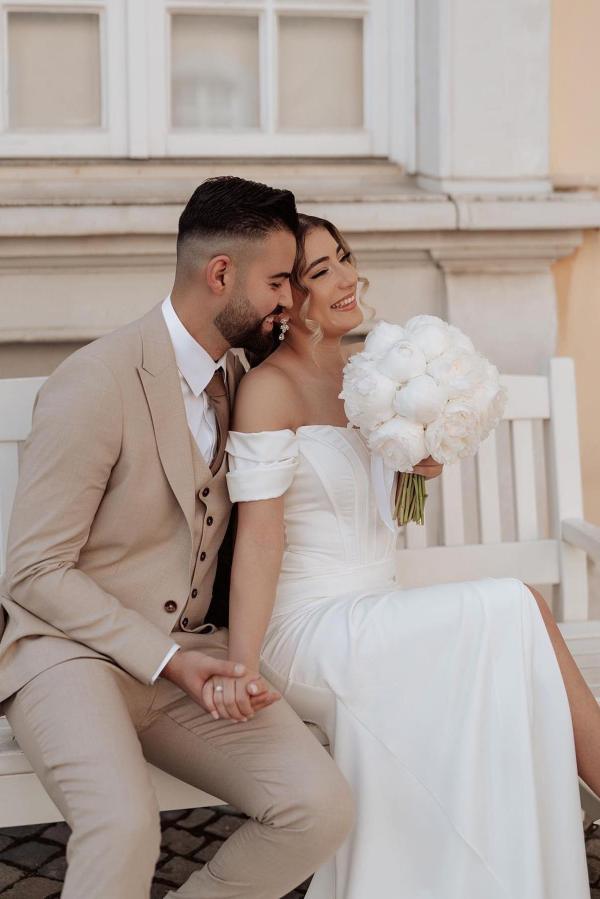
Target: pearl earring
x=284 y=327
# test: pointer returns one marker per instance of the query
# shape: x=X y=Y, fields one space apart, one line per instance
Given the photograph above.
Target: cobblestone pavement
x=32 y=859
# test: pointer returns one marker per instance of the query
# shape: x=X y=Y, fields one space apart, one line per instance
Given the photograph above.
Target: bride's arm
x=254 y=575
x=266 y=401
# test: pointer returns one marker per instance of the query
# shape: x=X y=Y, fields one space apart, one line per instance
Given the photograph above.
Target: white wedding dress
x=444 y=705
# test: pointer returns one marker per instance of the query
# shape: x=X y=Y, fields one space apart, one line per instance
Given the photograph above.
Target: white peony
x=455 y=434
x=495 y=411
x=368 y=395
x=402 y=362
x=489 y=398
x=358 y=367
x=400 y=442
x=459 y=371
x=365 y=415
x=419 y=321
x=382 y=337
x=460 y=340
x=421 y=399
x=430 y=334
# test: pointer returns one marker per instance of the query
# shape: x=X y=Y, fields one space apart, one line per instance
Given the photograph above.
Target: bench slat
x=488 y=494
x=9 y=473
x=452 y=502
x=535 y=562
x=528 y=396
x=524 y=480
x=416 y=535
x=17 y=396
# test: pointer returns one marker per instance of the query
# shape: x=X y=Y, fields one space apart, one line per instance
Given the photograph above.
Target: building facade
x=439 y=135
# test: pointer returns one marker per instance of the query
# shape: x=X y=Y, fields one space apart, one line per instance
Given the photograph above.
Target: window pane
x=320 y=73
x=53 y=70
x=214 y=72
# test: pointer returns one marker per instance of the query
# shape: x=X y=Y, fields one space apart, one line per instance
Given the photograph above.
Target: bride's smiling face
x=331 y=279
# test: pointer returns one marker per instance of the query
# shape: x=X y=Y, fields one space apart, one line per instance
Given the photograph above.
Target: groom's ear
x=219 y=272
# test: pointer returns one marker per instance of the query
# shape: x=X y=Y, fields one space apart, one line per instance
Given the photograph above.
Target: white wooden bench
x=476 y=527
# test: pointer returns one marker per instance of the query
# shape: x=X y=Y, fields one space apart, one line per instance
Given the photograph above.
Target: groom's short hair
x=234 y=208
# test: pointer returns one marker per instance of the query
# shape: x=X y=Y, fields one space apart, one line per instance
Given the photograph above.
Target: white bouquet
x=421 y=390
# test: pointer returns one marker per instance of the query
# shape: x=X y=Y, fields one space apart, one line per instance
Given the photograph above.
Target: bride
x=455 y=711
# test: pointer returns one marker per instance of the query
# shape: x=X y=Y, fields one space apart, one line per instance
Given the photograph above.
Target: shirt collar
x=194 y=363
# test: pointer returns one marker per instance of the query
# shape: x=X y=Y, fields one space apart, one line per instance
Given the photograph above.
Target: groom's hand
x=429 y=468
x=190 y=669
x=240 y=698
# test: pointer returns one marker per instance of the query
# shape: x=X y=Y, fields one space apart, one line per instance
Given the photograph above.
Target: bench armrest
x=583 y=535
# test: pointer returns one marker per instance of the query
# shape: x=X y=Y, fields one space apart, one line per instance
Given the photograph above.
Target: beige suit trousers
x=87 y=725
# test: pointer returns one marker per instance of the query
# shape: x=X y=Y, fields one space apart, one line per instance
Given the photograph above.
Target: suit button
x=194 y=593
x=170 y=606
x=205 y=492
x=202 y=556
x=184 y=622
x=209 y=520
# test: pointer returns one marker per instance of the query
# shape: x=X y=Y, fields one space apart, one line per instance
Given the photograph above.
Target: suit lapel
x=160 y=380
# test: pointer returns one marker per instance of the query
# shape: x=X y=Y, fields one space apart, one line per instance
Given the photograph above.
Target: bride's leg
x=585 y=710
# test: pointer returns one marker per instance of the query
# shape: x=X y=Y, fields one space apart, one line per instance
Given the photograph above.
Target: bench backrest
x=17 y=396
x=497 y=515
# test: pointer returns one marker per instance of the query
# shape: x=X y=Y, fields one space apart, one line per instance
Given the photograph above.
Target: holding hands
x=242 y=693
x=238 y=698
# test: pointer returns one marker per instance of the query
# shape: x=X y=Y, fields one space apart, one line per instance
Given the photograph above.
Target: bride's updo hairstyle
x=306 y=224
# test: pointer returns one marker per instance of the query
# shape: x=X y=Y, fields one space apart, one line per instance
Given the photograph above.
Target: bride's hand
x=240 y=698
x=429 y=468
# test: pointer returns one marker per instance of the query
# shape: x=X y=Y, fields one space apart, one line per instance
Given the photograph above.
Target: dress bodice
x=333 y=523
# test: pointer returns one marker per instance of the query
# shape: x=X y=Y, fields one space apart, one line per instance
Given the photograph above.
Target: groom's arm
x=67 y=461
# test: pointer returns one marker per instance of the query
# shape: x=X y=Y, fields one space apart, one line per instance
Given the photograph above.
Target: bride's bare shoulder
x=267 y=399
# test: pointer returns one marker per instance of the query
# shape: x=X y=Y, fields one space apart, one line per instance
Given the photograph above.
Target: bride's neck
x=326 y=354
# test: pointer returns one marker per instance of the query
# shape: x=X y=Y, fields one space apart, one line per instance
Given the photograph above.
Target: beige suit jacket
x=100 y=540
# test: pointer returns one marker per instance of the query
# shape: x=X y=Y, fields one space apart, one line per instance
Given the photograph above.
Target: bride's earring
x=284 y=327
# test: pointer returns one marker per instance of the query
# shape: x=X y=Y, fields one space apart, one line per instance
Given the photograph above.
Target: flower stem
x=410 y=499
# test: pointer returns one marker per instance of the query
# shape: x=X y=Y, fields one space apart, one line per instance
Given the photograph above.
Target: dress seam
x=419 y=781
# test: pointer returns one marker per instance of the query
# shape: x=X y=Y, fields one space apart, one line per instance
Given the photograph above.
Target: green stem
x=410 y=499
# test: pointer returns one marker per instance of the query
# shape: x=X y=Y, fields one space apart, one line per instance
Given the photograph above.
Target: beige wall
x=575 y=161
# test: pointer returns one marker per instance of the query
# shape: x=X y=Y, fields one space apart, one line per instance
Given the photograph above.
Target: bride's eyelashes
x=347 y=257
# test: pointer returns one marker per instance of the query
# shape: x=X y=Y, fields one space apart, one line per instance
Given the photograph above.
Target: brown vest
x=209 y=531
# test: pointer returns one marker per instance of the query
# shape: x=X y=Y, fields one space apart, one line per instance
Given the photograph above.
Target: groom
x=120 y=511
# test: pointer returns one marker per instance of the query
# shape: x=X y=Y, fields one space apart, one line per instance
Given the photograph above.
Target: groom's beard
x=241 y=327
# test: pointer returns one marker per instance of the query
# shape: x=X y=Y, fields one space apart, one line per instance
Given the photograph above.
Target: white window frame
x=135 y=85
x=371 y=140
x=110 y=138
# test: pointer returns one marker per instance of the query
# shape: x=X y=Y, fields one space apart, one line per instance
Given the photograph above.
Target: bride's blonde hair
x=306 y=224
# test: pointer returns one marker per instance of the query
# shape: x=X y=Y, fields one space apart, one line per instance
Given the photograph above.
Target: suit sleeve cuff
x=164 y=662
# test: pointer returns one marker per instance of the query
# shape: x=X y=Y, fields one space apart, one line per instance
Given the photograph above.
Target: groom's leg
x=270 y=767
x=76 y=724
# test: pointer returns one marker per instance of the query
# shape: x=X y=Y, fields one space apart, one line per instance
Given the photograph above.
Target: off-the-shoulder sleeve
x=261 y=465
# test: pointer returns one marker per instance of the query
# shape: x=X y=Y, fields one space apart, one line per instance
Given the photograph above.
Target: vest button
x=170 y=606
x=202 y=556
x=194 y=593
x=206 y=491
x=184 y=622
x=209 y=520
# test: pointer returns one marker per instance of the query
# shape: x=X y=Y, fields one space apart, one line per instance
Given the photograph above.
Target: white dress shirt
x=196 y=368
